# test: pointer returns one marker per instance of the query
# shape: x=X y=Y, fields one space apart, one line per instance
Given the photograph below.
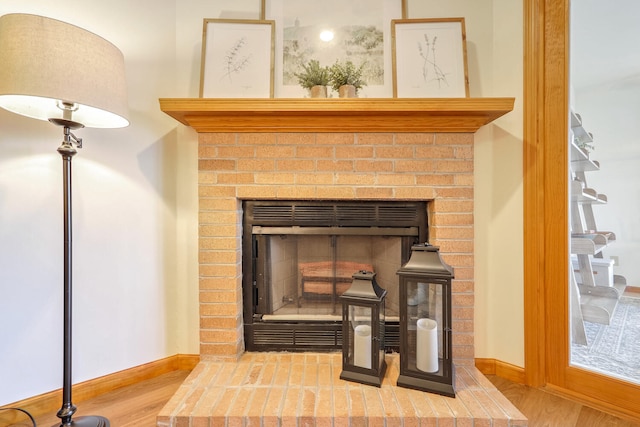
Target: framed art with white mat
x=429 y=58
x=237 y=59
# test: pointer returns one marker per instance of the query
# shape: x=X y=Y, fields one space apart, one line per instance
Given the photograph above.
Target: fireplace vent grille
x=298 y=337
x=335 y=214
x=310 y=338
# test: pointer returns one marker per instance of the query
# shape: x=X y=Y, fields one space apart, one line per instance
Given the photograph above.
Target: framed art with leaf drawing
x=237 y=59
x=333 y=30
x=429 y=58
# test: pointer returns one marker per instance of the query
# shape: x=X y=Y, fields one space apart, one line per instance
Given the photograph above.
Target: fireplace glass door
x=300 y=277
x=295 y=267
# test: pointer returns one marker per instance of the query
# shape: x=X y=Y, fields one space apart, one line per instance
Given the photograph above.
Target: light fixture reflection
x=326 y=35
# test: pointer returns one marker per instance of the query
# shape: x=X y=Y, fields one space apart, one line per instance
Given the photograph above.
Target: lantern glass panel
x=361 y=331
x=381 y=334
x=424 y=326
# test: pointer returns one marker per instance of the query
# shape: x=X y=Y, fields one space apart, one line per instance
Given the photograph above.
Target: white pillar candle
x=427 y=345
x=362 y=346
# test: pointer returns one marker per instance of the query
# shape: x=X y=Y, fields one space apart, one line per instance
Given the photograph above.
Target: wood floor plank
x=590 y=417
x=543 y=408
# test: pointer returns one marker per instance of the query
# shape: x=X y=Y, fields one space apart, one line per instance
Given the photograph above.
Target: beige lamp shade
x=54 y=70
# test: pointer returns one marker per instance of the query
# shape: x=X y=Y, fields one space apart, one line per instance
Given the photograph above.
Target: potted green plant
x=346 y=78
x=315 y=78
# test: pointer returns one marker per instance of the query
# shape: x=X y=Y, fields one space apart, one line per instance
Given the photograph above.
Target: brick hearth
x=279 y=389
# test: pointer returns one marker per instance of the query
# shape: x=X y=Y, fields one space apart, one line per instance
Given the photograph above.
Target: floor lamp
x=58 y=72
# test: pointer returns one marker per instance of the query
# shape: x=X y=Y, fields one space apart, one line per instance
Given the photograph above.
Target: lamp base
x=88 y=421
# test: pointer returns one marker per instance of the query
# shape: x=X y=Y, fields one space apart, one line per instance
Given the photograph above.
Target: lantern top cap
x=364 y=287
x=425 y=247
x=425 y=261
x=364 y=274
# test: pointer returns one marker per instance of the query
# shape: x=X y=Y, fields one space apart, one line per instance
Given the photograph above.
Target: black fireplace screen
x=299 y=257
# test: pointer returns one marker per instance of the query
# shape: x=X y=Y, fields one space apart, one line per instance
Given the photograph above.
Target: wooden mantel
x=336 y=114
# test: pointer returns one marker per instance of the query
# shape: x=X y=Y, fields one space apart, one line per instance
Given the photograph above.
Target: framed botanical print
x=237 y=59
x=429 y=58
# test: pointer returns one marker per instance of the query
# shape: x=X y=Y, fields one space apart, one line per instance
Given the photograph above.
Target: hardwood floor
x=133 y=406
x=543 y=409
x=137 y=405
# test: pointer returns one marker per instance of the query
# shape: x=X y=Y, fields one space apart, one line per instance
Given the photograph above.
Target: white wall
x=135 y=199
x=499 y=247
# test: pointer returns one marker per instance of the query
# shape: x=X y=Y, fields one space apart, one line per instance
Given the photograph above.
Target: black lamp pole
x=67 y=150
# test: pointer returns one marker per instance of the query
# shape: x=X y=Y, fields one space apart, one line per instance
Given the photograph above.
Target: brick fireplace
x=403 y=150
x=434 y=167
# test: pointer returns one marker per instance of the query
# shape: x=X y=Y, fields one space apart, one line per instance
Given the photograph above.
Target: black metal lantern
x=363 y=330
x=425 y=322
